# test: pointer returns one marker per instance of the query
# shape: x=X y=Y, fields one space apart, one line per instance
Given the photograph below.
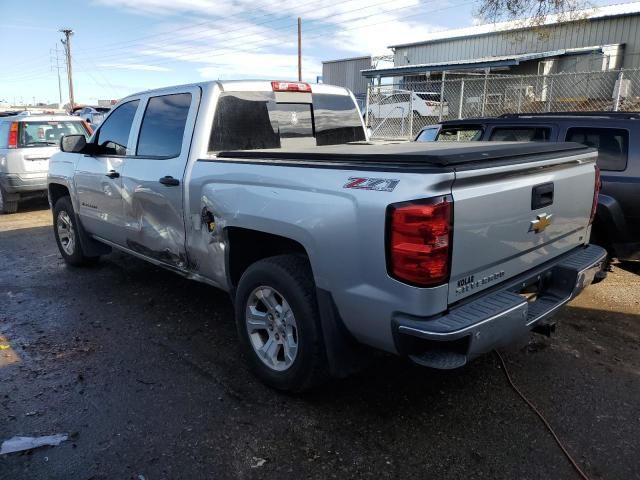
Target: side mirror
x=73 y=143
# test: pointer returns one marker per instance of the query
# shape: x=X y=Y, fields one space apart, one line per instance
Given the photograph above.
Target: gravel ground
x=141 y=368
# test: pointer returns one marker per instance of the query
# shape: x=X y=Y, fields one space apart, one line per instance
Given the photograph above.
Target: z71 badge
x=378 y=184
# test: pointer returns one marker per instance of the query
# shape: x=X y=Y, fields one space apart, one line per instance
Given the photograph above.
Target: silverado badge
x=541 y=222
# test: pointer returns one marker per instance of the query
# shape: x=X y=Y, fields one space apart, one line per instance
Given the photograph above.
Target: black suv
x=616 y=135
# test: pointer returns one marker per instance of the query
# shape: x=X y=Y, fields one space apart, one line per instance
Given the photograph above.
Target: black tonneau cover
x=416 y=154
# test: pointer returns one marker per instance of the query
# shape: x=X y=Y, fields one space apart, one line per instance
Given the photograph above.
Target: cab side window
x=113 y=134
x=163 y=126
x=612 y=145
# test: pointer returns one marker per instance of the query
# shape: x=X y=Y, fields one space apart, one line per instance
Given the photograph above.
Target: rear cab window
x=466 y=133
x=39 y=133
x=256 y=120
x=520 y=134
x=612 y=145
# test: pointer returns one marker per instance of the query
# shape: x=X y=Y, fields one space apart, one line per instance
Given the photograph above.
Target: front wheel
x=67 y=236
x=278 y=323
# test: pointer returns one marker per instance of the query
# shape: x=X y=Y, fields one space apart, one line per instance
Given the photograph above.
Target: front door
x=152 y=177
x=98 y=178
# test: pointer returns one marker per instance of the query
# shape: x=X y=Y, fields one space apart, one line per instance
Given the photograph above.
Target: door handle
x=169 y=181
x=542 y=195
x=113 y=174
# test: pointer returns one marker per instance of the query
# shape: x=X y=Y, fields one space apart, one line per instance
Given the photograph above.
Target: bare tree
x=531 y=12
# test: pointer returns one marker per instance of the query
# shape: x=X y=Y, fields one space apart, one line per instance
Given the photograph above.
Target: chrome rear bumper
x=499 y=316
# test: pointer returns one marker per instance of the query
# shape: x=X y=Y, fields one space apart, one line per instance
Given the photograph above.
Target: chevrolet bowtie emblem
x=541 y=222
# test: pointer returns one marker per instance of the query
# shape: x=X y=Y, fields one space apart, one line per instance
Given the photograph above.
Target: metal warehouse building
x=590 y=61
x=346 y=73
x=601 y=39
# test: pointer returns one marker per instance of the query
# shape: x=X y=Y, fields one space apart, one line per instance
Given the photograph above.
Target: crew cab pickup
x=325 y=242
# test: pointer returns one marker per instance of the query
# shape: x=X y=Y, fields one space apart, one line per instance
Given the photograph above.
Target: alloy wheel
x=272 y=328
x=66 y=234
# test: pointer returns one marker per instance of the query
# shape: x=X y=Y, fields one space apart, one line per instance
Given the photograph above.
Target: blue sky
x=124 y=46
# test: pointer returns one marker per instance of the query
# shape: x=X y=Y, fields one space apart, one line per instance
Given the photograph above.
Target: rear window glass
x=521 y=134
x=460 y=134
x=254 y=120
x=41 y=133
x=612 y=145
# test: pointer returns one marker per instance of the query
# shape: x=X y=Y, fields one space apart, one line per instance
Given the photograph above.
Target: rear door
x=152 y=177
x=98 y=177
x=613 y=144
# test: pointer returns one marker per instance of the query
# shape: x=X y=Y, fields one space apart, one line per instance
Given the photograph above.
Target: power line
x=180 y=57
x=130 y=44
x=57 y=67
x=258 y=44
x=250 y=46
x=227 y=38
x=225 y=43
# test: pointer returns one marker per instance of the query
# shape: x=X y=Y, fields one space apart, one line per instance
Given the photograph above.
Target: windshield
x=42 y=133
x=253 y=120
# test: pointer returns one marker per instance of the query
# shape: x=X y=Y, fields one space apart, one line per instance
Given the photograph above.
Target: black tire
x=63 y=212
x=8 y=201
x=291 y=277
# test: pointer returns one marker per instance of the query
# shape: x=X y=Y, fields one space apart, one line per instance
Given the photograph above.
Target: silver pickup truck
x=326 y=243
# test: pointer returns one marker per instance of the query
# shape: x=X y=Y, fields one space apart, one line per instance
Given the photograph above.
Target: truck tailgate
x=510 y=219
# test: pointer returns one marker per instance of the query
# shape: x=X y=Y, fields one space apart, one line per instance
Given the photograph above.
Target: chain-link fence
x=400 y=111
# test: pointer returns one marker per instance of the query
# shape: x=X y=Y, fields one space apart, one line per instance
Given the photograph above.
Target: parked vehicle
x=26 y=143
x=615 y=135
x=92 y=115
x=398 y=105
x=324 y=241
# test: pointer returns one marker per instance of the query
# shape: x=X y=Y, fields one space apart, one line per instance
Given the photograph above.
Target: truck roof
x=244 y=85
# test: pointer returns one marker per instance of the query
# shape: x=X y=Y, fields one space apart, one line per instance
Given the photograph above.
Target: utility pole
x=57 y=67
x=67 y=45
x=299 y=49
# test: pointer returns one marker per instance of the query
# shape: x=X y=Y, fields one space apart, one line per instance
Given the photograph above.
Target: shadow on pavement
x=631 y=267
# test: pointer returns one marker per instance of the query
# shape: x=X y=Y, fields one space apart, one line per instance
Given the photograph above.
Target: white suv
x=425 y=104
x=26 y=143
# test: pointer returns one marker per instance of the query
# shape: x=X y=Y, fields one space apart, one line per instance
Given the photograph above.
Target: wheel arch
x=246 y=246
x=57 y=191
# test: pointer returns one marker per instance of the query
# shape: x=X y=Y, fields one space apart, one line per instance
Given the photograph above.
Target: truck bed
x=452 y=156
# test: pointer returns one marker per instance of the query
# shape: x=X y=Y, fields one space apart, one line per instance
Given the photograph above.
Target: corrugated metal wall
x=346 y=73
x=583 y=33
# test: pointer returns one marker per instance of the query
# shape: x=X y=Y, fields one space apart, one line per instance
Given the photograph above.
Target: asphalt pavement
x=141 y=369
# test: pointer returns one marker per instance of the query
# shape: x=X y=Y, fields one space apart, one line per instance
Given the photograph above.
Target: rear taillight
x=419 y=241
x=13 y=136
x=431 y=104
x=596 y=191
x=290 y=87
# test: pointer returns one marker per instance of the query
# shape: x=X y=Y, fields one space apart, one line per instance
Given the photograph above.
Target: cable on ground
x=541 y=417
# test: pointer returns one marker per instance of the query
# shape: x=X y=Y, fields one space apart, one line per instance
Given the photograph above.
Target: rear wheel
x=8 y=201
x=278 y=323
x=66 y=232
